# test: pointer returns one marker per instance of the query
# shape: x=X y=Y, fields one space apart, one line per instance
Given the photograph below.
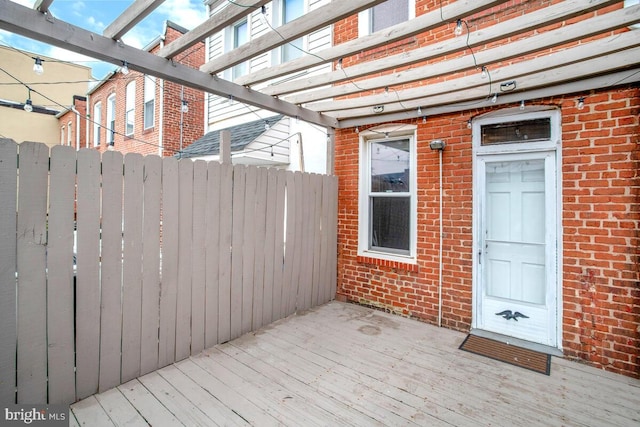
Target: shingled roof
x=241 y=136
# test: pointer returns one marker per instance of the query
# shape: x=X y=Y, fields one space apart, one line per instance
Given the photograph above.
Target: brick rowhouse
x=600 y=214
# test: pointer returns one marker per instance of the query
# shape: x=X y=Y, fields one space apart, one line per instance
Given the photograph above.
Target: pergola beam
x=422 y=23
x=592 y=83
x=135 y=13
x=546 y=40
x=464 y=89
x=58 y=33
x=307 y=23
x=519 y=25
x=42 y=5
x=225 y=17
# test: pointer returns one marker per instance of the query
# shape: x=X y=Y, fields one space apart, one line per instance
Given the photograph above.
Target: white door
x=517 y=247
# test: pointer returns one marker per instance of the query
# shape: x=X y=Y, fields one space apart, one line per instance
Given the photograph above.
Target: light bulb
x=37 y=67
x=484 y=72
x=458 y=29
x=469 y=124
x=339 y=64
x=266 y=126
x=357 y=129
x=495 y=98
x=184 y=107
x=386 y=91
x=580 y=103
x=419 y=111
x=522 y=104
x=125 y=68
x=231 y=102
x=28 y=106
x=386 y=135
x=424 y=119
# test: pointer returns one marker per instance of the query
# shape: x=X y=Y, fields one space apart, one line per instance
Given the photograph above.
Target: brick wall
x=78 y=134
x=600 y=216
x=601 y=219
x=148 y=141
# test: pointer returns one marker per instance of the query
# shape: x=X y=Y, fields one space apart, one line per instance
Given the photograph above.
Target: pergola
x=567 y=47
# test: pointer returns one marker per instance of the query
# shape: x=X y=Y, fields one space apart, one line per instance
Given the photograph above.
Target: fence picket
x=248 y=247
x=169 y=279
x=306 y=256
x=185 y=235
x=8 y=268
x=150 y=264
x=325 y=218
x=316 y=293
x=279 y=247
x=111 y=271
x=60 y=300
x=132 y=266
x=212 y=253
x=332 y=229
x=239 y=176
x=198 y=257
x=269 y=251
x=226 y=228
x=32 y=293
x=296 y=245
x=261 y=250
x=290 y=228
x=88 y=274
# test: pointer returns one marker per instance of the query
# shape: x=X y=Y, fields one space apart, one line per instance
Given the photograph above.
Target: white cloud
x=27 y=3
x=95 y=25
x=186 y=13
x=67 y=55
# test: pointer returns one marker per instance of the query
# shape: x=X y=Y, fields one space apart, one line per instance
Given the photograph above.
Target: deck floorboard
x=343 y=364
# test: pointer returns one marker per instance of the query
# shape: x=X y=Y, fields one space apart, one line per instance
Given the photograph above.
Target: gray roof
x=241 y=136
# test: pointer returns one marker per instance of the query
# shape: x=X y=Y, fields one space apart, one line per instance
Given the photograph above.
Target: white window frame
x=69 y=133
x=62 y=135
x=130 y=108
x=111 y=119
x=230 y=44
x=364 y=19
x=97 y=119
x=149 y=101
x=379 y=134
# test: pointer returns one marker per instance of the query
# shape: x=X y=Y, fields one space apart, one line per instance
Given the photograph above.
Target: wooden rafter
x=309 y=22
x=225 y=17
x=42 y=5
x=518 y=25
x=580 y=30
x=450 y=13
x=135 y=13
x=604 y=56
x=58 y=33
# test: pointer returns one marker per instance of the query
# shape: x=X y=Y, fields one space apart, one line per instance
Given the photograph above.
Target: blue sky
x=95 y=15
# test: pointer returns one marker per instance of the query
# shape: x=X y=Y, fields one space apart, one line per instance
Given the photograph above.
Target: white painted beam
x=42 y=5
x=450 y=13
x=35 y=25
x=135 y=13
x=459 y=92
x=518 y=25
x=592 y=83
x=580 y=30
x=309 y=22
x=225 y=17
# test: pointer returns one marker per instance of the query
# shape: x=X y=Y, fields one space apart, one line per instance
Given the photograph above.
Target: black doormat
x=518 y=356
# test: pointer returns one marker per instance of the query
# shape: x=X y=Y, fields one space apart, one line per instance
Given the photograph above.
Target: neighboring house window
x=385 y=15
x=69 y=133
x=111 y=119
x=239 y=37
x=290 y=10
x=62 y=135
x=149 y=101
x=97 y=119
x=387 y=215
x=130 y=108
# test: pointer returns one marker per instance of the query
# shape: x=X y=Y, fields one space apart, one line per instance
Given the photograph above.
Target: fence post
x=225 y=147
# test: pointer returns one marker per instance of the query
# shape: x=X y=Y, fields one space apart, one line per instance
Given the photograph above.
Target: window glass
x=97 y=119
x=389 y=13
x=518 y=131
x=111 y=119
x=69 y=134
x=240 y=37
x=291 y=10
x=130 y=103
x=149 y=101
x=389 y=204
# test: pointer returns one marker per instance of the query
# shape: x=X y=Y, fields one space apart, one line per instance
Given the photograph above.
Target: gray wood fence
x=172 y=257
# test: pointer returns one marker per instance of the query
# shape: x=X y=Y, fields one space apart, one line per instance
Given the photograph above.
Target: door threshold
x=518 y=342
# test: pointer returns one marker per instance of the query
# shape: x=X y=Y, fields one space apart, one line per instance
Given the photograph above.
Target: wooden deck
x=346 y=365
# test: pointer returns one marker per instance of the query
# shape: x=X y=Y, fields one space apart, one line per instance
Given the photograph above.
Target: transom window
x=388 y=196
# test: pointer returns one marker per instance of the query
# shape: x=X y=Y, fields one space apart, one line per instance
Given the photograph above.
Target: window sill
x=390 y=263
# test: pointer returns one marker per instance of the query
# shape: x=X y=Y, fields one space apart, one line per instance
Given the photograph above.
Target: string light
x=125 y=68
x=483 y=74
x=419 y=111
x=495 y=98
x=357 y=129
x=386 y=135
x=37 y=67
x=458 y=29
x=267 y=126
x=580 y=103
x=522 y=104
x=339 y=64
x=386 y=91
x=231 y=102
x=184 y=107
